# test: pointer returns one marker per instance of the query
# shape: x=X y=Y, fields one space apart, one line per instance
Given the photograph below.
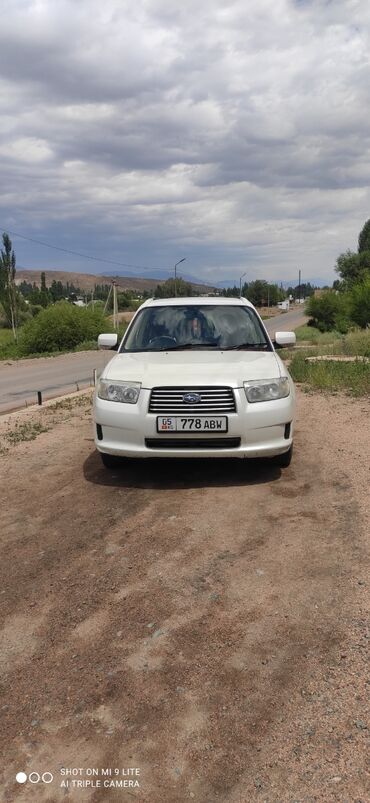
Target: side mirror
x=283 y=339
x=107 y=341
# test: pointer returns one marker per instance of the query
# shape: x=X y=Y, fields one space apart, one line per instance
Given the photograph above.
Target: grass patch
x=70 y=404
x=353 y=378
x=87 y=345
x=25 y=432
x=309 y=334
x=354 y=344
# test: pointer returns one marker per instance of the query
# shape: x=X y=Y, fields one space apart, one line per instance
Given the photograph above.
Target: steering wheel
x=163 y=341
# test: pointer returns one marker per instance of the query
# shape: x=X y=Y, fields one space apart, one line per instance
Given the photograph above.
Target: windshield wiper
x=181 y=346
x=246 y=346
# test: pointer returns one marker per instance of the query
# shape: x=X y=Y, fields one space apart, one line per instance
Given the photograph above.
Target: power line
x=85 y=256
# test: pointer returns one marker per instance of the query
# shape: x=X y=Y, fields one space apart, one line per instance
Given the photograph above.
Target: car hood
x=191 y=368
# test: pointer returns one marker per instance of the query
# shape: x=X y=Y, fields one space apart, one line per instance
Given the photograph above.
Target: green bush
x=123 y=301
x=135 y=304
x=8 y=348
x=359 y=303
x=61 y=327
x=355 y=344
x=35 y=309
x=24 y=316
x=329 y=311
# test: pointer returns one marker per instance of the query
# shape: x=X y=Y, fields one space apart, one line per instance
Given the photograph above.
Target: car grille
x=214 y=401
x=192 y=443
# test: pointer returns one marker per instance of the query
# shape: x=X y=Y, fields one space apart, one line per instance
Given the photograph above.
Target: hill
x=87 y=281
x=160 y=276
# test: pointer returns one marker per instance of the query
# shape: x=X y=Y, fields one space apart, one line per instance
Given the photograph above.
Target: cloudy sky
x=235 y=133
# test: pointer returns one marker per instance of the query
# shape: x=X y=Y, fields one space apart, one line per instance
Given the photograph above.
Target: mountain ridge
x=87 y=281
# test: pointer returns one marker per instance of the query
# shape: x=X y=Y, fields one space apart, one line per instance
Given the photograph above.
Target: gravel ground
x=201 y=622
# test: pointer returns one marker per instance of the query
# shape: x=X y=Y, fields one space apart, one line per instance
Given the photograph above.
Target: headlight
x=260 y=390
x=126 y=392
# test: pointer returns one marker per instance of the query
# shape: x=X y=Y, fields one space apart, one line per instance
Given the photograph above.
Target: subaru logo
x=192 y=398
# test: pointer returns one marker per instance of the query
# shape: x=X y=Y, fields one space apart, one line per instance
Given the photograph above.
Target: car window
x=161 y=328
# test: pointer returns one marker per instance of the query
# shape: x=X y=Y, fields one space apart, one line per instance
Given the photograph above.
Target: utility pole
x=115 y=308
x=299 y=286
x=108 y=297
x=240 y=283
x=177 y=263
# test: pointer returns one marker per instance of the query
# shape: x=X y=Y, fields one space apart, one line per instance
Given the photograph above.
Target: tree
x=56 y=290
x=125 y=300
x=352 y=267
x=25 y=288
x=359 y=303
x=167 y=289
x=329 y=311
x=8 y=291
x=233 y=292
x=101 y=291
x=306 y=289
x=364 y=238
x=355 y=267
x=44 y=295
x=338 y=285
x=257 y=292
x=274 y=294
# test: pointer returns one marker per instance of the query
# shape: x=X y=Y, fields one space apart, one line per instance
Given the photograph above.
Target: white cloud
x=238 y=132
x=26 y=149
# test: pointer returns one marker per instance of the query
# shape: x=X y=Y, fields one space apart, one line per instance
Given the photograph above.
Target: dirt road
x=201 y=626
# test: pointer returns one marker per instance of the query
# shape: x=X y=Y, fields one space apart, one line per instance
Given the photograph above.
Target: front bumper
x=260 y=430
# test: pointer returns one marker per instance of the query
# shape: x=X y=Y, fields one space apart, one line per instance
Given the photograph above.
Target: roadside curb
x=13 y=363
x=30 y=409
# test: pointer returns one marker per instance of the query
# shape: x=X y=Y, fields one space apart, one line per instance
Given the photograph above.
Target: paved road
x=20 y=380
x=286 y=322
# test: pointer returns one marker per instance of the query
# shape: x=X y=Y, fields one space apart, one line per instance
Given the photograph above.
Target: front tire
x=284 y=460
x=110 y=460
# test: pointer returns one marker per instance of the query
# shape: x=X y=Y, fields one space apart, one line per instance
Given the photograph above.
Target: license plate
x=191 y=424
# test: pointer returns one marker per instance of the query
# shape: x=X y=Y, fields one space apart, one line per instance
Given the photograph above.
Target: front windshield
x=216 y=326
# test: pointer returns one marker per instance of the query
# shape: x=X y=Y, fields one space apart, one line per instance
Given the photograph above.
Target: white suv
x=195 y=377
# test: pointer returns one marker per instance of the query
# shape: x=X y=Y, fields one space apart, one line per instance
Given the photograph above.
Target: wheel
x=110 y=460
x=284 y=460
